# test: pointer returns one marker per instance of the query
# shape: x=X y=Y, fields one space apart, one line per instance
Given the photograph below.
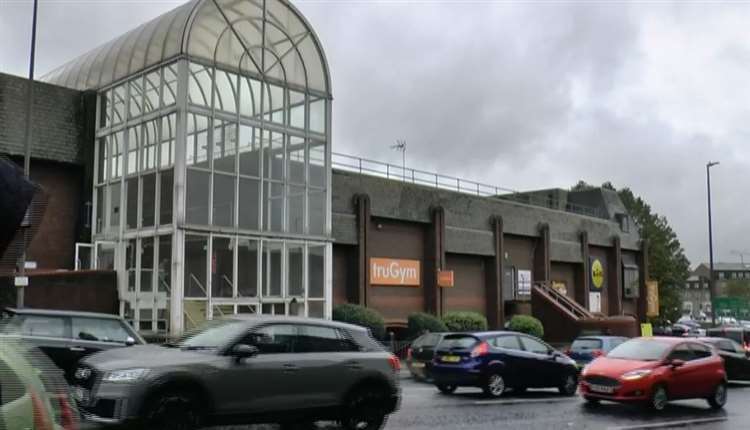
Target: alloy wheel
x=364 y=411
x=570 y=384
x=495 y=385
x=659 y=398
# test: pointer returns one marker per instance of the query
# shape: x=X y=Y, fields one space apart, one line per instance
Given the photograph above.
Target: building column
x=614 y=280
x=434 y=261
x=644 y=276
x=582 y=294
x=359 y=293
x=542 y=264
x=495 y=275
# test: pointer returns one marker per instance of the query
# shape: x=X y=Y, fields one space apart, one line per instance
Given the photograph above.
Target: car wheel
x=659 y=398
x=174 y=411
x=719 y=397
x=494 y=385
x=364 y=410
x=446 y=388
x=569 y=385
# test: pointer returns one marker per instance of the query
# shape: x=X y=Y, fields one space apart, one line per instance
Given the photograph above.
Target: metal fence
x=364 y=166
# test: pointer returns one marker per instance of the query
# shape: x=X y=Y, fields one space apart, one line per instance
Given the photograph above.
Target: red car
x=655 y=370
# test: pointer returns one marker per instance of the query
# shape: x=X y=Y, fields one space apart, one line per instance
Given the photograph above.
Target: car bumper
x=626 y=392
x=466 y=375
x=112 y=404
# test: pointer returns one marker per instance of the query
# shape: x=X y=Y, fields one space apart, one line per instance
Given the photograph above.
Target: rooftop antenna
x=742 y=255
x=401 y=146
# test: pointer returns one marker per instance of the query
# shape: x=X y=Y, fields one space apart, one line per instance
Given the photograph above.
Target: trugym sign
x=393 y=272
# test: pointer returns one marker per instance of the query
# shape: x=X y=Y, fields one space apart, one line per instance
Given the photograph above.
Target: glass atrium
x=212 y=174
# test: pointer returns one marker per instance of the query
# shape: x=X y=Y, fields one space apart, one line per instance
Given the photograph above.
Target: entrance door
x=84 y=256
x=105 y=255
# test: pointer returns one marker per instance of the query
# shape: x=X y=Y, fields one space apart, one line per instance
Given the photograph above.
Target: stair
x=564 y=304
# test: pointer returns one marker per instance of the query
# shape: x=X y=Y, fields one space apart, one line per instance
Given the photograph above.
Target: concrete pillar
x=363 y=213
x=614 y=280
x=434 y=261
x=542 y=264
x=495 y=275
x=584 y=278
x=644 y=276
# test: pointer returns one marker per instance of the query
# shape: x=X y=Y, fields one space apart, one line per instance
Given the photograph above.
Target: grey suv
x=242 y=370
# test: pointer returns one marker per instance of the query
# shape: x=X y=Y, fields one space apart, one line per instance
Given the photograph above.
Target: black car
x=420 y=354
x=738 y=334
x=736 y=359
x=67 y=336
x=495 y=361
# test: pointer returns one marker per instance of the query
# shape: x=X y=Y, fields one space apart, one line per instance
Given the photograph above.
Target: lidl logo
x=597 y=274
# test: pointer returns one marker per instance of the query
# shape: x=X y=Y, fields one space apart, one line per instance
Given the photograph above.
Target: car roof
x=264 y=319
x=485 y=334
x=52 y=312
x=602 y=337
x=713 y=339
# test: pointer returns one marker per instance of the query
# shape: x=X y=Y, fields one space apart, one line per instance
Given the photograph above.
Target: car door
x=701 y=375
x=539 y=364
x=509 y=351
x=681 y=378
x=51 y=334
x=733 y=361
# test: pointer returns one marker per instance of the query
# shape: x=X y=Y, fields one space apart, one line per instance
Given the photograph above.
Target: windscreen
x=640 y=349
x=586 y=344
x=460 y=341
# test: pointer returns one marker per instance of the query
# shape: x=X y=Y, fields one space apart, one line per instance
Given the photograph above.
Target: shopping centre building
x=193 y=156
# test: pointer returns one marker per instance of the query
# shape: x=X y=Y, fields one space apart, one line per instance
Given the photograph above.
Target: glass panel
x=199 y=85
x=249 y=201
x=318 y=116
x=148 y=205
x=249 y=150
x=247 y=268
x=105 y=256
x=247 y=309
x=297 y=109
x=136 y=97
x=134 y=141
x=316 y=309
x=168 y=134
x=250 y=96
x=196 y=253
x=196 y=198
x=117 y=149
x=166 y=186
x=225 y=146
x=118 y=105
x=149 y=140
x=194 y=313
x=164 y=281
x=273 y=156
x=105 y=109
x=295 y=269
x=98 y=329
x=103 y=148
x=145 y=317
x=274 y=205
x=275 y=112
x=317 y=208
x=101 y=208
x=114 y=205
x=316 y=271
x=225 y=98
x=131 y=191
x=197 y=141
x=296 y=160
x=147 y=264
x=223 y=200
x=296 y=209
x=151 y=92
x=222 y=267
x=318 y=177
x=272 y=274
x=170 y=84
x=130 y=260
x=220 y=311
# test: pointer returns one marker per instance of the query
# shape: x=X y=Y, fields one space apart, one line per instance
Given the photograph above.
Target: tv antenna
x=742 y=255
x=401 y=147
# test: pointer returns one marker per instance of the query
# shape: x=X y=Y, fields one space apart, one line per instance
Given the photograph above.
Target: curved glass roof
x=265 y=38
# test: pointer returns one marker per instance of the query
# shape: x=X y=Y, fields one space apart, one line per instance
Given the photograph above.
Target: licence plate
x=417 y=365
x=451 y=358
x=602 y=389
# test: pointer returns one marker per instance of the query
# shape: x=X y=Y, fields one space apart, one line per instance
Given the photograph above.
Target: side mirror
x=129 y=341
x=241 y=351
x=676 y=363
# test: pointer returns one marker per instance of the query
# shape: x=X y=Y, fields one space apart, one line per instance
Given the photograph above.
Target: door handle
x=77 y=349
x=289 y=368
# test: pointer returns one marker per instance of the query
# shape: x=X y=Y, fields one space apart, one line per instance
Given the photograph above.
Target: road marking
x=668 y=424
x=524 y=401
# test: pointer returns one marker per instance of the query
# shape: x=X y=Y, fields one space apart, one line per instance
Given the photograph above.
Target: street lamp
x=711 y=284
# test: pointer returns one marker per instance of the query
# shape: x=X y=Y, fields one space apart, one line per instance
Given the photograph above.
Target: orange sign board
x=395 y=272
x=445 y=278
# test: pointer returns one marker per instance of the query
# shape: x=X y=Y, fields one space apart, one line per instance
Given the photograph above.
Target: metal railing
x=364 y=166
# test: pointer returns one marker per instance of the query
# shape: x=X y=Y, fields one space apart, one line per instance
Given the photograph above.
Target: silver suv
x=242 y=370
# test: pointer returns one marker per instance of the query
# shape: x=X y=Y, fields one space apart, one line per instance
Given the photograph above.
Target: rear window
x=461 y=341
x=427 y=340
x=640 y=349
x=580 y=344
x=37 y=325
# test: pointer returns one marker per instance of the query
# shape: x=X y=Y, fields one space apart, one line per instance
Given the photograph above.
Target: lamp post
x=711 y=283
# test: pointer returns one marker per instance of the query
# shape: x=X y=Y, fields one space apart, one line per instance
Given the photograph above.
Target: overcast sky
x=522 y=95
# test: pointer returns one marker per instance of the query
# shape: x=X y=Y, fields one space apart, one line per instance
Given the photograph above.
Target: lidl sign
x=597 y=274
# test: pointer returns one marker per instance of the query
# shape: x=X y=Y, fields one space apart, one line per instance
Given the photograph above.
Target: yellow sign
x=652 y=299
x=445 y=278
x=597 y=274
x=394 y=272
x=647 y=330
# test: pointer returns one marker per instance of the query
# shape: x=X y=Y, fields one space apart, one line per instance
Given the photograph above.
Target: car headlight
x=635 y=374
x=127 y=375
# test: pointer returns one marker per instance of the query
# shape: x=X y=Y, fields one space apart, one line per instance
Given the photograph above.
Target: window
x=682 y=352
x=295 y=270
x=274 y=339
x=726 y=345
x=249 y=202
x=147 y=264
x=148 y=204
x=196 y=251
x=532 y=345
x=42 y=326
x=458 y=341
x=506 y=342
x=630 y=281
x=131 y=193
x=247 y=268
x=272 y=274
x=223 y=206
x=99 y=330
x=428 y=340
x=322 y=339
x=222 y=267
x=196 y=199
x=316 y=271
x=700 y=351
x=166 y=187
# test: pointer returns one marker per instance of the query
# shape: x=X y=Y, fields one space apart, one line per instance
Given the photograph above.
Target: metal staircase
x=561 y=302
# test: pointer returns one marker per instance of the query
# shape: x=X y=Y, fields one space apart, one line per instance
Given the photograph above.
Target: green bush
x=420 y=322
x=361 y=316
x=465 y=321
x=526 y=324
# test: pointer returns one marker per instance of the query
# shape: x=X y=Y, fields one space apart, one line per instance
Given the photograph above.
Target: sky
x=523 y=95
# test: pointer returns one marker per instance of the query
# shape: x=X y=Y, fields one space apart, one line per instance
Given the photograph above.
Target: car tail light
x=597 y=353
x=480 y=350
x=408 y=353
x=42 y=420
x=394 y=362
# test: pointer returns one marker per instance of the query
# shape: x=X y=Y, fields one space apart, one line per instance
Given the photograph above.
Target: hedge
x=361 y=316
x=420 y=322
x=526 y=324
x=465 y=321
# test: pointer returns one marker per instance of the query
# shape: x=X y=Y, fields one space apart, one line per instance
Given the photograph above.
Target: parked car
x=244 y=369
x=420 y=354
x=33 y=392
x=495 y=361
x=736 y=358
x=654 y=370
x=67 y=336
x=586 y=348
x=738 y=334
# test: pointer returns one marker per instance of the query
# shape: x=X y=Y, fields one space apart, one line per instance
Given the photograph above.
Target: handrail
x=369 y=167
x=569 y=304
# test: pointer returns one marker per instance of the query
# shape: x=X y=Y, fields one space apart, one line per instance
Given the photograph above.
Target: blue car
x=501 y=360
x=586 y=348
